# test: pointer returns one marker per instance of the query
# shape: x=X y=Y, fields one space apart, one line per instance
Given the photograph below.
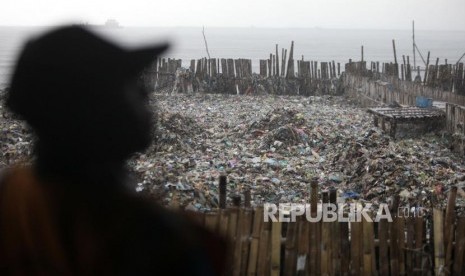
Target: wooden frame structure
x=404 y=115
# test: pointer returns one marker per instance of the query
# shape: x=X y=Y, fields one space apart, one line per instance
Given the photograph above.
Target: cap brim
x=137 y=60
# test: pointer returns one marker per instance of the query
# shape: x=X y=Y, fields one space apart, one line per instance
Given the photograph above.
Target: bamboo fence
x=428 y=244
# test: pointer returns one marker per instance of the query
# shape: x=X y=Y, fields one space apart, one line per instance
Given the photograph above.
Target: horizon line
x=239 y=27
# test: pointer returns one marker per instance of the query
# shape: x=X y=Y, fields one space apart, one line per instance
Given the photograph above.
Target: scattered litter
x=273 y=146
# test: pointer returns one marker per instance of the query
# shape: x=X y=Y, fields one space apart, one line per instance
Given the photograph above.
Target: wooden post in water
x=263 y=67
x=277 y=61
x=405 y=71
x=274 y=64
x=395 y=56
x=402 y=71
x=362 y=53
x=426 y=69
x=409 y=70
x=290 y=64
x=334 y=69
x=283 y=63
x=436 y=70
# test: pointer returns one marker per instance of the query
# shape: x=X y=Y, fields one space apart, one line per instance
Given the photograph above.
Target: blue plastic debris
x=351 y=195
x=423 y=102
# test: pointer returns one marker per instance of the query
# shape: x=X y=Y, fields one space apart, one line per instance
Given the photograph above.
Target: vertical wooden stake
x=222 y=188
x=275 y=248
x=439 y=253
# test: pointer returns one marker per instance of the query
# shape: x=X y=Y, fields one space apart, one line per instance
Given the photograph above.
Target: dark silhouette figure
x=72 y=212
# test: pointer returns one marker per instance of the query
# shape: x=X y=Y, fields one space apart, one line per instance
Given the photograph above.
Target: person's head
x=82 y=96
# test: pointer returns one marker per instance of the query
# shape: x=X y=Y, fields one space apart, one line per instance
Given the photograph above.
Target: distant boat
x=110 y=23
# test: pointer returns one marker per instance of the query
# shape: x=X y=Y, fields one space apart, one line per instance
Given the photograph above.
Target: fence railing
x=431 y=242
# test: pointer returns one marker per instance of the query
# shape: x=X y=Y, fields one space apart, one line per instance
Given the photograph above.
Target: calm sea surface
x=257 y=43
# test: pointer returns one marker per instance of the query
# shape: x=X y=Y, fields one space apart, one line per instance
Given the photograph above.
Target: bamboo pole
x=362 y=53
x=409 y=257
x=290 y=64
x=449 y=226
x=237 y=259
x=356 y=232
x=344 y=253
x=368 y=253
x=254 y=244
x=401 y=243
x=383 y=247
x=275 y=248
x=426 y=69
x=245 y=234
x=419 y=236
x=395 y=55
x=439 y=253
x=263 y=267
x=211 y=221
x=290 y=249
x=326 y=248
x=457 y=268
x=223 y=222
x=277 y=61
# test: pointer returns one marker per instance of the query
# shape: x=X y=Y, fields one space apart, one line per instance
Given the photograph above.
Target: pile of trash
x=274 y=146
x=15 y=138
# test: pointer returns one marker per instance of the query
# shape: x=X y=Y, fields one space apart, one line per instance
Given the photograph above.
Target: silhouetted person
x=72 y=211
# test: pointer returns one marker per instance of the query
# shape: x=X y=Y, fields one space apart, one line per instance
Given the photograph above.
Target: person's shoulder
x=171 y=237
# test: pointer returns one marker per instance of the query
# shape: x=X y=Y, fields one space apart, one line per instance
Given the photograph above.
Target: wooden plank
x=290 y=248
x=401 y=244
x=419 y=235
x=254 y=244
x=409 y=256
x=449 y=226
x=356 y=234
x=211 y=221
x=223 y=223
x=457 y=267
x=344 y=252
x=394 y=246
x=368 y=253
x=263 y=265
x=237 y=260
x=439 y=252
x=326 y=248
x=335 y=238
x=383 y=247
x=232 y=230
x=302 y=247
x=275 y=248
x=245 y=235
x=277 y=61
x=313 y=248
x=290 y=64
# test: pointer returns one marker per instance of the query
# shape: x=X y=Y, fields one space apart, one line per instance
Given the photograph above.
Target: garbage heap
x=274 y=146
x=15 y=137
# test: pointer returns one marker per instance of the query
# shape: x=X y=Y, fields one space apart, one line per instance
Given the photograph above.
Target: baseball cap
x=71 y=58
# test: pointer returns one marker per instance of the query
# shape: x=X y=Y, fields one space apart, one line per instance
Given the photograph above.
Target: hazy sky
x=385 y=14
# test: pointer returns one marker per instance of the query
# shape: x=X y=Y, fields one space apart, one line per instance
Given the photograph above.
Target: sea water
x=315 y=44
